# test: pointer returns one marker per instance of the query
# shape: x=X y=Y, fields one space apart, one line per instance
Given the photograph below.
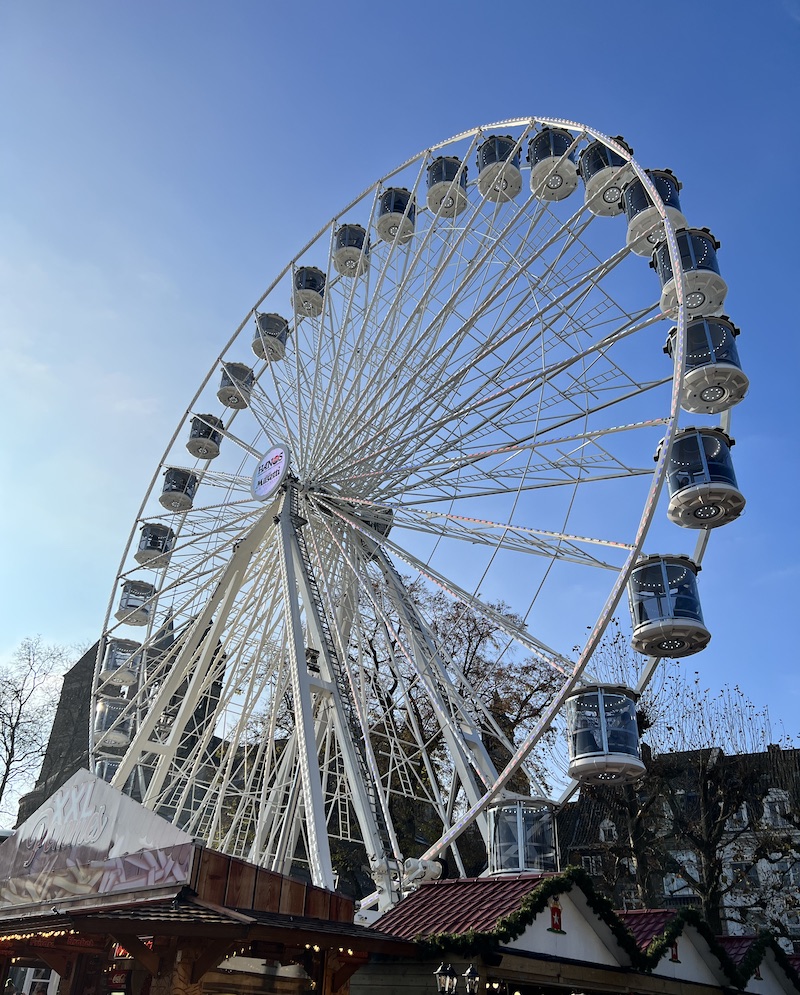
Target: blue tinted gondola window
x=621 y=728
x=583 y=719
x=444 y=170
x=718 y=459
x=683 y=592
x=550 y=143
x=497 y=149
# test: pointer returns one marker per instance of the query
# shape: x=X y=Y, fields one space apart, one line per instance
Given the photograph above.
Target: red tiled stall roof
x=458 y=906
x=646 y=924
x=737 y=947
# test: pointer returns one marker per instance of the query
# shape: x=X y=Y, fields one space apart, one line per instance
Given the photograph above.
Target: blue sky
x=161 y=162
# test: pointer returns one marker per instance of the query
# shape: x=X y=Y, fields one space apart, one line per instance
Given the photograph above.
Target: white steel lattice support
x=264 y=849
x=319 y=854
x=461 y=733
x=362 y=778
x=203 y=632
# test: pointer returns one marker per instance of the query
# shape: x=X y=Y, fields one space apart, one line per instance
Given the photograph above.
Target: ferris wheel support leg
x=290 y=834
x=319 y=849
x=197 y=684
x=451 y=804
x=383 y=848
x=289 y=831
x=434 y=675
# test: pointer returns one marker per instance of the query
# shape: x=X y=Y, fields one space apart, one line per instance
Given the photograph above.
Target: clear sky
x=161 y=161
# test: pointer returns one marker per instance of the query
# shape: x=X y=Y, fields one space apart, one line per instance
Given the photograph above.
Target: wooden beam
x=55 y=959
x=213 y=954
x=145 y=926
x=140 y=952
x=344 y=973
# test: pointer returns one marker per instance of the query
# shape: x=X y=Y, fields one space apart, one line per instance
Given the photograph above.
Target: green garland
x=755 y=955
x=485 y=943
x=691 y=917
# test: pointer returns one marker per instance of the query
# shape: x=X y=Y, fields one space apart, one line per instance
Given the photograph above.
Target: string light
x=46 y=934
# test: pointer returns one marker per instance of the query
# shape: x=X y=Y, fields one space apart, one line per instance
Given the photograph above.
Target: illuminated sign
x=270 y=472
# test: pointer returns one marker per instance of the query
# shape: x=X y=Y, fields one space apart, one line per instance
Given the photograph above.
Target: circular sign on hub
x=270 y=472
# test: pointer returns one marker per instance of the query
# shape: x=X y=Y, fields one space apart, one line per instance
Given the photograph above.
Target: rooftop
x=458 y=905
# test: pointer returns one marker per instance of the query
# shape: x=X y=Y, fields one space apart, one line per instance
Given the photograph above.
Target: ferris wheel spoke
x=421 y=364
x=229 y=483
x=557 y=472
x=537 y=428
x=539 y=649
x=430 y=675
x=369 y=341
x=190 y=763
x=201 y=543
x=514 y=537
x=417 y=747
x=592 y=463
x=225 y=432
x=509 y=397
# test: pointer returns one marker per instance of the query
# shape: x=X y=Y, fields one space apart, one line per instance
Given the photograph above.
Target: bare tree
x=727 y=827
x=713 y=821
x=505 y=692
x=28 y=698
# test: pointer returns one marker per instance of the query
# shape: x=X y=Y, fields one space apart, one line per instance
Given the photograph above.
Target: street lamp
x=471 y=979
x=446 y=979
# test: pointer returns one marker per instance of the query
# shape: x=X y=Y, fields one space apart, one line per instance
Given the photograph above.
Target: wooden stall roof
x=187 y=916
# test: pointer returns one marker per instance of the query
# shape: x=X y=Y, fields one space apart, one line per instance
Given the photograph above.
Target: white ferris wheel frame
x=482 y=783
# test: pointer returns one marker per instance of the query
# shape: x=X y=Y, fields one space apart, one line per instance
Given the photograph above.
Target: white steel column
x=345 y=737
x=319 y=854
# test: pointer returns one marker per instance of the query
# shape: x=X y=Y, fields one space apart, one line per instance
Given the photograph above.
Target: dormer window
x=776 y=807
x=608 y=831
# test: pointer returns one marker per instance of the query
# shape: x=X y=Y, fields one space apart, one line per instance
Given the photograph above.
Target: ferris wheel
x=448 y=401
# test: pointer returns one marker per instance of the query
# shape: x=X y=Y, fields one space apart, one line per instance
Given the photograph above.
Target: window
x=593 y=865
x=738 y=819
x=792 y=922
x=630 y=899
x=687 y=804
x=786 y=872
x=776 y=807
x=608 y=831
x=675 y=884
x=744 y=876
